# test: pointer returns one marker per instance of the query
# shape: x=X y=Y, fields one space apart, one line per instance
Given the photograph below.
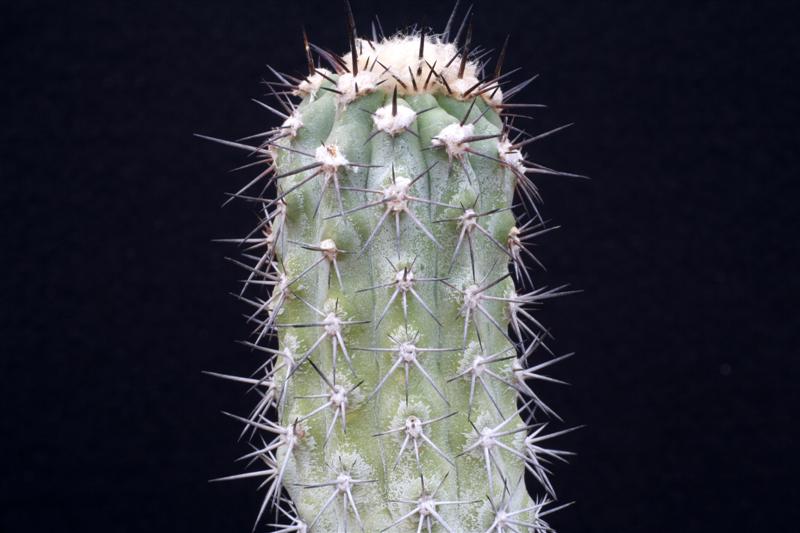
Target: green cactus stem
x=391 y=268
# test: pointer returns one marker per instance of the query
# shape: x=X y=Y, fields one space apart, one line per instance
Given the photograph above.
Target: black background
x=684 y=243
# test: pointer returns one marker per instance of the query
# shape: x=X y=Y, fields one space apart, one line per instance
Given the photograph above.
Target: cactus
x=389 y=264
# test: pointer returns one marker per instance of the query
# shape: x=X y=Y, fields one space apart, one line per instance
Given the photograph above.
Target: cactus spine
x=401 y=394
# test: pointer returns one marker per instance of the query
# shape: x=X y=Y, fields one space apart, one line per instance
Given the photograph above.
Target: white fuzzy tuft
x=351 y=87
x=452 y=139
x=293 y=123
x=393 y=124
x=310 y=85
x=331 y=158
x=510 y=156
x=397 y=63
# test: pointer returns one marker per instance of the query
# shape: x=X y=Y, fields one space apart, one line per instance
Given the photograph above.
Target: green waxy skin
x=388 y=254
x=453 y=184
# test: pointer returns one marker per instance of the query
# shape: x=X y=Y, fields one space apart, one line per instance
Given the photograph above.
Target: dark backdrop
x=684 y=243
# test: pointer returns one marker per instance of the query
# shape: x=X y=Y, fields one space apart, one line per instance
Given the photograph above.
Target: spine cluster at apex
x=388 y=262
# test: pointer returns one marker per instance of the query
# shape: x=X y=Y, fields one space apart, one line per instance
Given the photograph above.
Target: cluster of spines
x=265 y=248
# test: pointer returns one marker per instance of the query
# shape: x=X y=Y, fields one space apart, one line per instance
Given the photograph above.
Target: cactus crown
x=390 y=267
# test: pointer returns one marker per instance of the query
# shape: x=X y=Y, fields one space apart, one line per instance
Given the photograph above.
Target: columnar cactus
x=390 y=267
